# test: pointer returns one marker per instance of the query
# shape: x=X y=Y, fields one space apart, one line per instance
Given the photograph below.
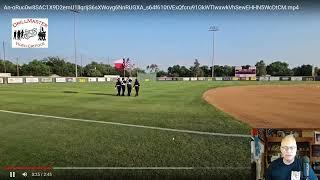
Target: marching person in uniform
x=136 y=87
x=129 y=86
x=118 y=86
x=123 y=86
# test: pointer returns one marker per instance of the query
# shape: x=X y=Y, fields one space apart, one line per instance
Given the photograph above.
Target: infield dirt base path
x=270 y=106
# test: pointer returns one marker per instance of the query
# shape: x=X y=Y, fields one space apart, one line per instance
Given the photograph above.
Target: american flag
x=126 y=63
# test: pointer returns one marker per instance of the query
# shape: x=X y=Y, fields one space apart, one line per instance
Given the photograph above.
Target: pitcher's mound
x=270 y=106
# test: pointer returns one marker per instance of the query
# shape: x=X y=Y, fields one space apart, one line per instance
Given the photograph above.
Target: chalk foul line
x=128 y=125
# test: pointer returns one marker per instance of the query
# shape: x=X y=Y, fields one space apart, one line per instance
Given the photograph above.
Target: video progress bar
x=146 y=168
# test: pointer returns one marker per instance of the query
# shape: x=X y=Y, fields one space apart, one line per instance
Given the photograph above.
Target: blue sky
x=169 y=38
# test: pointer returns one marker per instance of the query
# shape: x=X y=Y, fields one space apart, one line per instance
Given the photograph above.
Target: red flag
x=122 y=64
x=118 y=64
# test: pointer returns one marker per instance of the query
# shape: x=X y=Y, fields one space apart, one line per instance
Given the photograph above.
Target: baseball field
x=272 y=106
x=170 y=130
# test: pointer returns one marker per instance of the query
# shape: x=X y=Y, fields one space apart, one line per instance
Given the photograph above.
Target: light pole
x=124 y=67
x=4 y=58
x=213 y=29
x=74 y=33
x=17 y=66
x=81 y=66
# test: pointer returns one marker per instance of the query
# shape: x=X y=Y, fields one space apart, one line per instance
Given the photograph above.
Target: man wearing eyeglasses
x=288 y=167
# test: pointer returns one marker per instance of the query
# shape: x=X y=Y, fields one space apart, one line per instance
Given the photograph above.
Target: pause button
x=12 y=174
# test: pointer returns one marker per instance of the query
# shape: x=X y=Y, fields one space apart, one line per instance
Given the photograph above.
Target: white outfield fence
x=232 y=78
x=20 y=80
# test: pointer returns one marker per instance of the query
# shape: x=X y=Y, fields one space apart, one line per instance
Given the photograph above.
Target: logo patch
x=29 y=33
x=295 y=175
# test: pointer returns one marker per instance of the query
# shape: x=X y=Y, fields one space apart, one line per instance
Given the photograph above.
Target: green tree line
x=276 y=68
x=58 y=66
x=55 y=65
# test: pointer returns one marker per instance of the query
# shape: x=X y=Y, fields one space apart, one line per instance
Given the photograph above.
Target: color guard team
x=121 y=86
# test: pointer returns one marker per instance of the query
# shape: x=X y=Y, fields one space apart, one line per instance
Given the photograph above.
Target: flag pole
x=124 y=67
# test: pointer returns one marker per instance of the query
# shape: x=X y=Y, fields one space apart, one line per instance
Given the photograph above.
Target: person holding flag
x=118 y=86
x=123 y=86
x=122 y=65
x=129 y=86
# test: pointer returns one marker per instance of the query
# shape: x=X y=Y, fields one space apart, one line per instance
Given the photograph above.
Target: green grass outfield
x=40 y=141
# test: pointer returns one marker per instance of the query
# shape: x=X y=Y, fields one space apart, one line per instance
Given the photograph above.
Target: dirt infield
x=276 y=106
